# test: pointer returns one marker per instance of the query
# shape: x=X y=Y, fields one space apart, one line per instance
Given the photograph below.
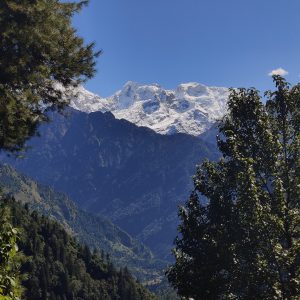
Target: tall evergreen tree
x=244 y=243
x=41 y=60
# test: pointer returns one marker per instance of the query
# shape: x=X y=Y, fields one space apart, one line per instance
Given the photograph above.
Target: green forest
x=52 y=265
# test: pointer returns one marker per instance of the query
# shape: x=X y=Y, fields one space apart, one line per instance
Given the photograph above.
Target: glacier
x=191 y=108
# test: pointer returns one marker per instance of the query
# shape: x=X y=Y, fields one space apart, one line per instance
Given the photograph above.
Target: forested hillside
x=55 y=267
x=95 y=231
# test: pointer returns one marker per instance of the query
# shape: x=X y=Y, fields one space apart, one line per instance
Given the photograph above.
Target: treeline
x=54 y=266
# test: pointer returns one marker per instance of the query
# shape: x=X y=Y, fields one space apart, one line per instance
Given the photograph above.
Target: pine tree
x=240 y=235
x=42 y=59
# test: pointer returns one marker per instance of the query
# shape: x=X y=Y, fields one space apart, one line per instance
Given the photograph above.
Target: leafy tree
x=9 y=285
x=240 y=234
x=41 y=60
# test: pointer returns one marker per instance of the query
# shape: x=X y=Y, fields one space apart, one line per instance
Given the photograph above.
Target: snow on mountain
x=191 y=108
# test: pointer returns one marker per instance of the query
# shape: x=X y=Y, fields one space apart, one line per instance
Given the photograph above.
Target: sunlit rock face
x=191 y=108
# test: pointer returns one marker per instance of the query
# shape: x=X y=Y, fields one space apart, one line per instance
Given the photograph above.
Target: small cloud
x=279 y=71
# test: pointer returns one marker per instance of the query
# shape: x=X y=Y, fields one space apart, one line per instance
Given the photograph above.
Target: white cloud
x=279 y=71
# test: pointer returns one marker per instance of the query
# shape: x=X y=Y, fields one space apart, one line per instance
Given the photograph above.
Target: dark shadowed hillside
x=130 y=174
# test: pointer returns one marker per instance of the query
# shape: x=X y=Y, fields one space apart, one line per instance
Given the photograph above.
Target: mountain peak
x=191 y=108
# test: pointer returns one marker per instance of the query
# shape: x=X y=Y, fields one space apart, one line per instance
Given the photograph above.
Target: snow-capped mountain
x=191 y=108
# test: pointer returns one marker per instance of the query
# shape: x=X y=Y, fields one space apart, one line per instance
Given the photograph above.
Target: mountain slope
x=54 y=266
x=95 y=231
x=191 y=108
x=132 y=175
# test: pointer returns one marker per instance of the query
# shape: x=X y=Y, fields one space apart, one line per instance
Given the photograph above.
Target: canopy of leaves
x=9 y=281
x=245 y=242
x=41 y=60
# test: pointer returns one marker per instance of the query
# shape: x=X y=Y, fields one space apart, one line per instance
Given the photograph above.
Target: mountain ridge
x=132 y=175
x=191 y=108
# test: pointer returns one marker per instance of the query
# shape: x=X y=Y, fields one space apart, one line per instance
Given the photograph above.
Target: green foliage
x=57 y=267
x=244 y=243
x=41 y=60
x=9 y=281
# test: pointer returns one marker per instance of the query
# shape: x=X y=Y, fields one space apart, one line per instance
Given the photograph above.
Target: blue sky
x=231 y=43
